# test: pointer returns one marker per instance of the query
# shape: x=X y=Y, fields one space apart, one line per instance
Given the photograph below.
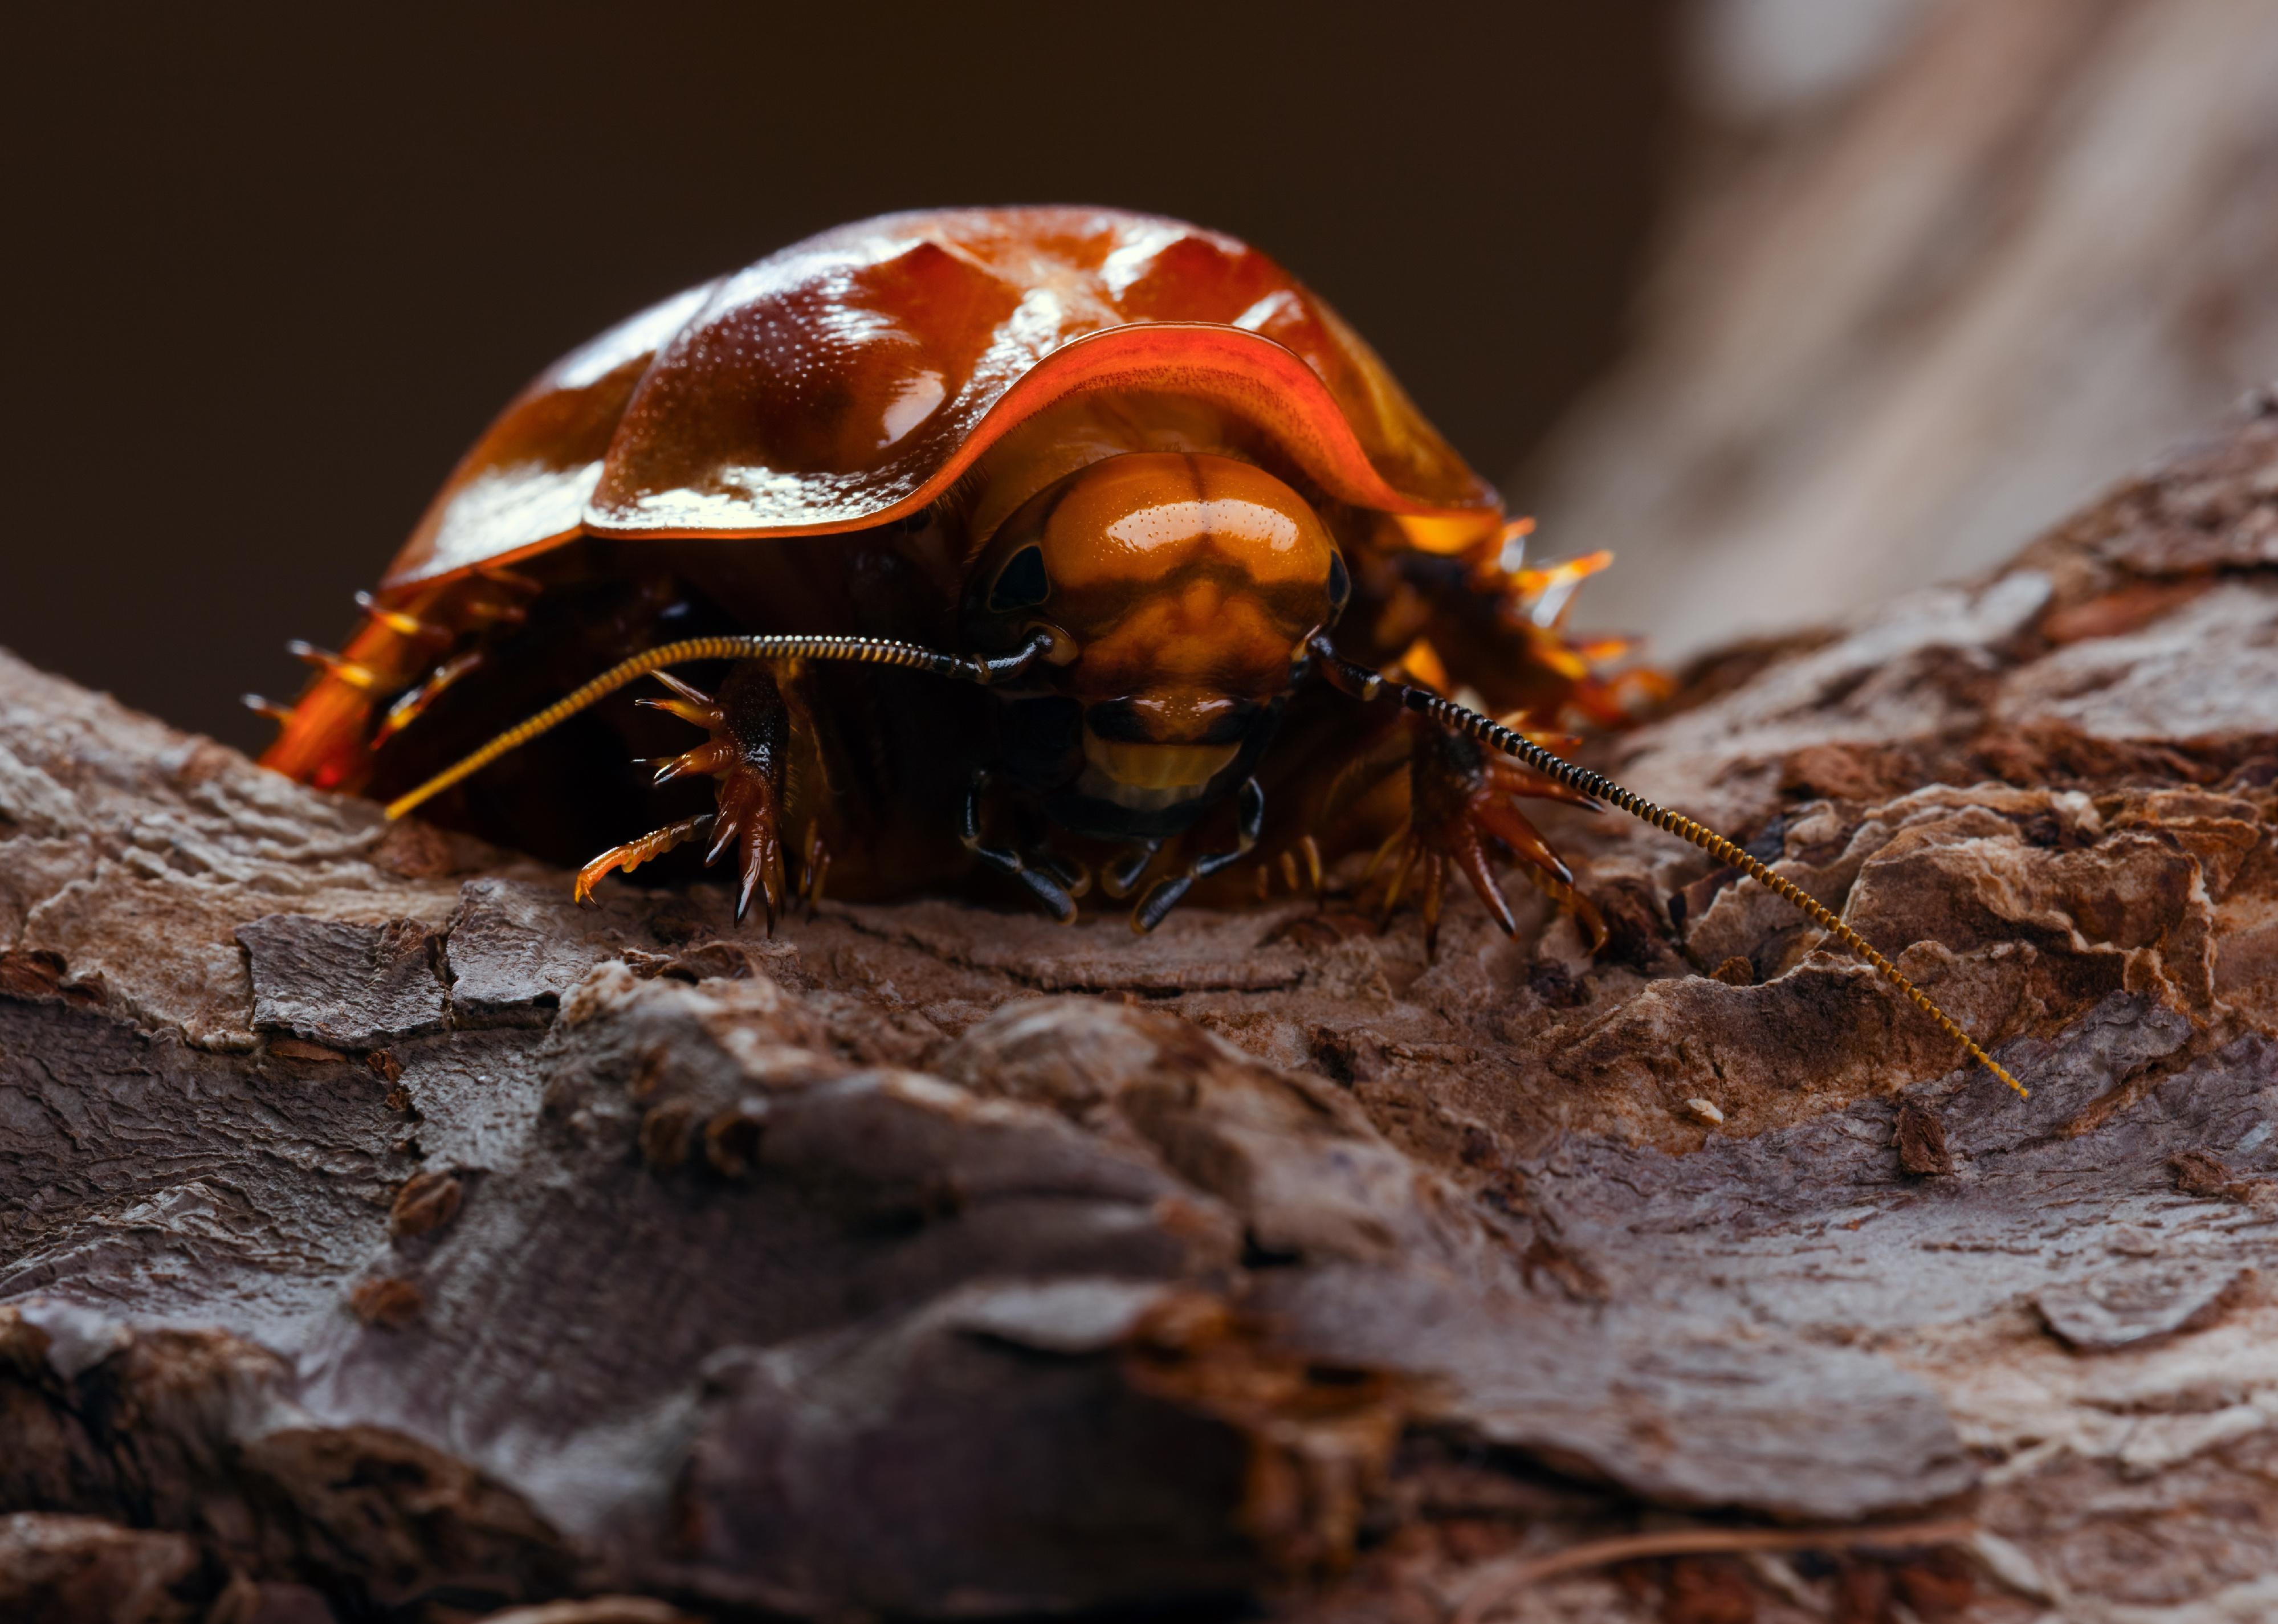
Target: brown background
x=274 y=271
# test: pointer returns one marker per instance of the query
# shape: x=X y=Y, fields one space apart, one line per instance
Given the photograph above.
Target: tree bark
x=382 y=1236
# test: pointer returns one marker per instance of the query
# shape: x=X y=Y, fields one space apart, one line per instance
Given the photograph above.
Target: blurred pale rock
x=1945 y=268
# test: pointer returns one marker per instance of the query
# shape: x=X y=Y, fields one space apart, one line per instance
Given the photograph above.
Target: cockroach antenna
x=1362 y=683
x=860 y=651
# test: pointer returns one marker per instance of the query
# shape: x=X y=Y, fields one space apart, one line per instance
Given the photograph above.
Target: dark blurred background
x=275 y=267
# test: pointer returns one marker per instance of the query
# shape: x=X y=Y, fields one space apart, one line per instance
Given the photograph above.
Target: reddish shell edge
x=1250 y=374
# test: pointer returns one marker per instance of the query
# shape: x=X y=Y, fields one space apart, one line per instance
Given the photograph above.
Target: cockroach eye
x=1339 y=582
x=1022 y=583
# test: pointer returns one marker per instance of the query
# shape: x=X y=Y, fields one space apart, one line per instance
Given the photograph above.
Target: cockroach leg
x=335 y=664
x=746 y=826
x=1121 y=877
x=413 y=702
x=1074 y=877
x=1409 y=853
x=750 y=728
x=815 y=866
x=754 y=728
x=692 y=705
x=513 y=580
x=486 y=611
x=1299 y=867
x=1463 y=807
x=1391 y=843
x=1585 y=911
x=633 y=853
x=403 y=625
x=1044 y=886
x=1165 y=894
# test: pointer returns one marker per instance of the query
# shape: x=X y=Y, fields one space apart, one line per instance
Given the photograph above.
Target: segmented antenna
x=1365 y=684
x=865 y=651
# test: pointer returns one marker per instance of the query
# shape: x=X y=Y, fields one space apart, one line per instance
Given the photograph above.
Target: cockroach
x=1070 y=546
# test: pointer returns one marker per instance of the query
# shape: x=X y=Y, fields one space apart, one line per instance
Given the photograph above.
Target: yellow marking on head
x=1157 y=766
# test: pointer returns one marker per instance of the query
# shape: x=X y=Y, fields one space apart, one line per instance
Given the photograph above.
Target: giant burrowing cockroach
x=1071 y=545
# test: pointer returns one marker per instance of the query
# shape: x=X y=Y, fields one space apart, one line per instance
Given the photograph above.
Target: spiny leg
x=1043 y=877
x=412 y=703
x=1164 y=894
x=625 y=859
x=1585 y=911
x=1463 y=807
x=698 y=709
x=748 y=746
x=756 y=737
